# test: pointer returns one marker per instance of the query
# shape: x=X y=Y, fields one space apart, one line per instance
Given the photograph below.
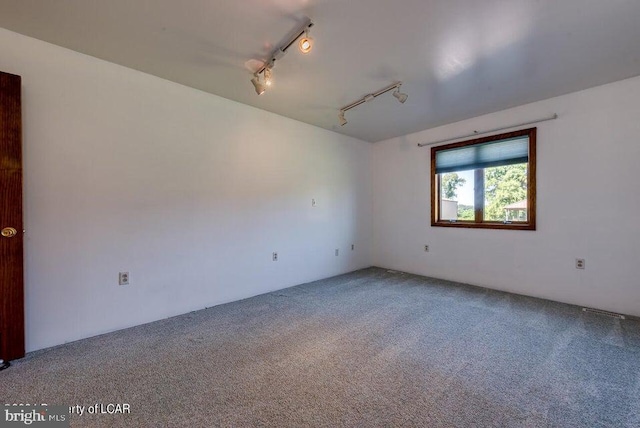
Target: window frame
x=479 y=222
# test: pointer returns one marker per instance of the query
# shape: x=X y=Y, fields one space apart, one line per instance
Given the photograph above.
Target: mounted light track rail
x=306 y=43
x=401 y=97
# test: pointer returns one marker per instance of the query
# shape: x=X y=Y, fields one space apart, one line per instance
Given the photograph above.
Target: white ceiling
x=457 y=58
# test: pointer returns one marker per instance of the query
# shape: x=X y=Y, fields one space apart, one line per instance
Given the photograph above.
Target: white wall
x=588 y=162
x=189 y=192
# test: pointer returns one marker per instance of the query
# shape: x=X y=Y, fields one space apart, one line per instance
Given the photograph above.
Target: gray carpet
x=369 y=348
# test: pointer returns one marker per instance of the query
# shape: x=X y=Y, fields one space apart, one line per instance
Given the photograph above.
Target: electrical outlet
x=580 y=264
x=337 y=252
x=353 y=247
x=123 y=278
x=426 y=248
x=314 y=203
x=275 y=257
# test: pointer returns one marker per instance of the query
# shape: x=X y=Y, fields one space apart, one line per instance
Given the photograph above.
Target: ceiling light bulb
x=267 y=77
x=259 y=87
x=342 y=119
x=305 y=44
x=400 y=96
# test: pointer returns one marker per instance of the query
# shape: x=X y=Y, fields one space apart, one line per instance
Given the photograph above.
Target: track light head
x=341 y=118
x=400 y=96
x=306 y=43
x=258 y=86
x=268 y=80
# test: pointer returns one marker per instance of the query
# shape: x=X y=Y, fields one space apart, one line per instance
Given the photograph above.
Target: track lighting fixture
x=341 y=118
x=400 y=96
x=305 y=45
x=370 y=97
x=257 y=85
x=268 y=80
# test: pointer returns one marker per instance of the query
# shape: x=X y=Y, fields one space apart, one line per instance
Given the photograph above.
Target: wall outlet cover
x=123 y=278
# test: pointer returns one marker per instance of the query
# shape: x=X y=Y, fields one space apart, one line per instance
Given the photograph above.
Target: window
x=485 y=183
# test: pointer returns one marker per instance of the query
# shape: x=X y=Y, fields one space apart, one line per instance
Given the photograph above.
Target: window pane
x=456 y=191
x=505 y=193
x=503 y=152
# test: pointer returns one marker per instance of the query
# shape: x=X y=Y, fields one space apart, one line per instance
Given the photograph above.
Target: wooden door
x=11 y=237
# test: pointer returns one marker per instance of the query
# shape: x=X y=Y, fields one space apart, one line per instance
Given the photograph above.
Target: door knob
x=9 y=232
